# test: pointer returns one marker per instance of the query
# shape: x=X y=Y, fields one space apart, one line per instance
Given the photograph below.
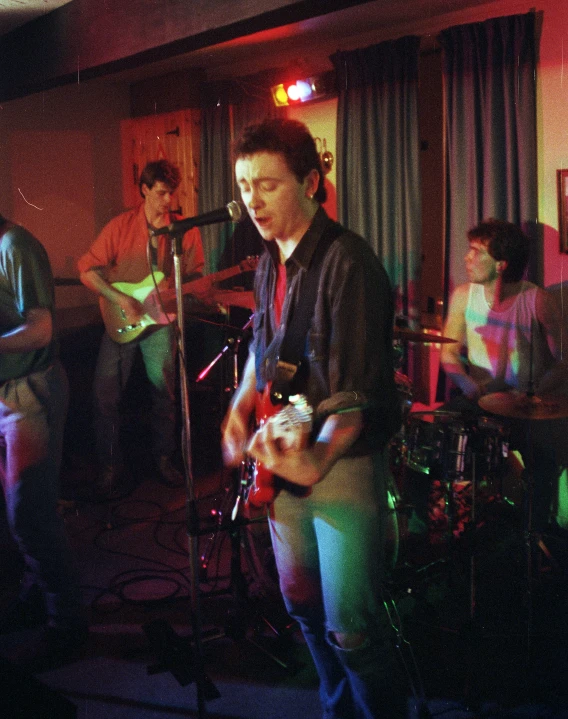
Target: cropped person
x=33 y=407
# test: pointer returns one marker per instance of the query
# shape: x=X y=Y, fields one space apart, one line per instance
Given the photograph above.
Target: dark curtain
x=221 y=124
x=215 y=178
x=378 y=172
x=489 y=73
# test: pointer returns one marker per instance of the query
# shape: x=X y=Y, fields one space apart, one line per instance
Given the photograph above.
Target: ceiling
x=14 y=13
x=307 y=43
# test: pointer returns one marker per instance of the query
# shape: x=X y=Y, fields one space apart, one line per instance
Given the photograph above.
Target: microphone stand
x=192 y=515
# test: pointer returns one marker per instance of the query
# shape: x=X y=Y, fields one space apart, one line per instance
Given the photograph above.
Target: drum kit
x=464 y=455
x=462 y=459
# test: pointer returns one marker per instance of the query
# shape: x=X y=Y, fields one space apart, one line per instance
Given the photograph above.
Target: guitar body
x=145 y=292
x=262 y=489
x=292 y=424
x=159 y=304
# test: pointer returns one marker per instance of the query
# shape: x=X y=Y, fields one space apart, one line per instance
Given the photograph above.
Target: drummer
x=508 y=334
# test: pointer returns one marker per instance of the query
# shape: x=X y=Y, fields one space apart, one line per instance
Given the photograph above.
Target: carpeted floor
x=478 y=639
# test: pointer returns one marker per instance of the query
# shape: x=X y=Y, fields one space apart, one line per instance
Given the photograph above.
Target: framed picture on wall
x=562 y=180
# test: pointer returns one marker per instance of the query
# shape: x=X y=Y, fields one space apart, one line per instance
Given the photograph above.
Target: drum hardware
x=406 y=335
x=444 y=445
x=529 y=407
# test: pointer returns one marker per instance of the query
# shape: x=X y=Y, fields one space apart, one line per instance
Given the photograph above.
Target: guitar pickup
x=127 y=328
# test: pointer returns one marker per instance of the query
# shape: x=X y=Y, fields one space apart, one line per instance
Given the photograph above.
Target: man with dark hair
x=504 y=241
x=33 y=405
x=159 y=171
x=511 y=331
x=322 y=328
x=124 y=259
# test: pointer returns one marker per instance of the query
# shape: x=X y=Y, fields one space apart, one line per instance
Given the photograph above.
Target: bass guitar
x=291 y=425
x=159 y=301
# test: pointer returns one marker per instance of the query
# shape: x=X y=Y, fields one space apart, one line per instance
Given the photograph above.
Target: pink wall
x=75 y=129
x=553 y=132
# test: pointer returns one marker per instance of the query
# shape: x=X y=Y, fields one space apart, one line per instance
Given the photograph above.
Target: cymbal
x=402 y=333
x=520 y=405
x=234 y=298
x=450 y=414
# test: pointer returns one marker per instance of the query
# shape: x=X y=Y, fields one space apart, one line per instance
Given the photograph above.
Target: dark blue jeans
x=32 y=417
x=113 y=369
x=329 y=549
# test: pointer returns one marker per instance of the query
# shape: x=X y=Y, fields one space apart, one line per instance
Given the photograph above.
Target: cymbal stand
x=470 y=632
x=533 y=539
x=530 y=534
x=529 y=540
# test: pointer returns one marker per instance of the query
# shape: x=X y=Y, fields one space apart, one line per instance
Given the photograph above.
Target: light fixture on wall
x=296 y=92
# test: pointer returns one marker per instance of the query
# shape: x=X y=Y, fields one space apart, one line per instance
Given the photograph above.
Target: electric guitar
x=292 y=425
x=159 y=302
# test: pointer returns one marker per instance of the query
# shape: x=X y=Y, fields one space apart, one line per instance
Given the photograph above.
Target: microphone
x=234 y=211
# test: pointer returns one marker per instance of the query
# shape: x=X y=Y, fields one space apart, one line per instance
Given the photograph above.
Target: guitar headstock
x=249 y=264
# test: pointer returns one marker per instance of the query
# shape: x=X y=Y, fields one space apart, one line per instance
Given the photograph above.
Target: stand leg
x=245 y=619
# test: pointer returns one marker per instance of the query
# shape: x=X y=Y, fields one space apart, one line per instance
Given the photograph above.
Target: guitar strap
x=292 y=368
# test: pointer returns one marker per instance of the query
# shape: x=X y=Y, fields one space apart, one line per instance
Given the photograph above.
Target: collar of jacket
x=306 y=247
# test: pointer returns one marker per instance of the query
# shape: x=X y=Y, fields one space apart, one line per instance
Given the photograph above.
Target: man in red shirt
x=120 y=267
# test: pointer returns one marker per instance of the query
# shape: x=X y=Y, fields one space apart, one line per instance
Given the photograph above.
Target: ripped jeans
x=329 y=549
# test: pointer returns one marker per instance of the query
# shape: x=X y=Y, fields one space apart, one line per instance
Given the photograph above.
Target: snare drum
x=427 y=440
x=445 y=444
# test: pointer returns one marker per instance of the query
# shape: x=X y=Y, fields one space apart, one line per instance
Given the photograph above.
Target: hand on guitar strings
x=294 y=463
x=306 y=465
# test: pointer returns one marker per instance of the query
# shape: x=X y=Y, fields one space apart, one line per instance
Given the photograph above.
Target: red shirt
x=279 y=293
x=120 y=250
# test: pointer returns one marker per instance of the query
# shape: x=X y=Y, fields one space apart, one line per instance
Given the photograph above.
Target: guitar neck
x=201 y=284
x=159 y=301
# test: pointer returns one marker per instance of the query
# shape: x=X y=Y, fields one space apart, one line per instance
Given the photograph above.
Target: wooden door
x=173 y=136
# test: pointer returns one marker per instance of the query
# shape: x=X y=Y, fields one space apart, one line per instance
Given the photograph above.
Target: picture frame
x=562 y=184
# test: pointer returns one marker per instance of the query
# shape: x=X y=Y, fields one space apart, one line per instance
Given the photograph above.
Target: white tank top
x=499 y=343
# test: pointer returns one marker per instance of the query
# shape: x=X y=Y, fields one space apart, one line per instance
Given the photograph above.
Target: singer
x=324 y=306
x=122 y=253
